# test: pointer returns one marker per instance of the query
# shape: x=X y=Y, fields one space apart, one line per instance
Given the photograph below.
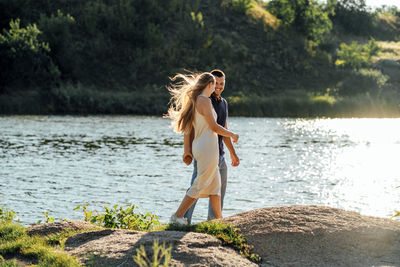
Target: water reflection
x=57 y=163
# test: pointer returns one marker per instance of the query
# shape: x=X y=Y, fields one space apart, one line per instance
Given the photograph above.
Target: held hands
x=187 y=158
x=235 y=160
x=235 y=138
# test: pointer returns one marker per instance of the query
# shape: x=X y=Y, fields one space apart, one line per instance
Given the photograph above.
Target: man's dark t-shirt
x=221 y=108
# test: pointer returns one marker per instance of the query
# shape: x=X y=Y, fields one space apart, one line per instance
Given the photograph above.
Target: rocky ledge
x=282 y=236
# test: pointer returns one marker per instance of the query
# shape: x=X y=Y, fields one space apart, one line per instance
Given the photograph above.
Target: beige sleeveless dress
x=205 y=151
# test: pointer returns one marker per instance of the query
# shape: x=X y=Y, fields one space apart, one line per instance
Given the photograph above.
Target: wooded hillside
x=281 y=57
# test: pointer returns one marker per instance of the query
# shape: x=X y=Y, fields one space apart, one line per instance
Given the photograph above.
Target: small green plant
x=161 y=256
x=4 y=263
x=397 y=214
x=325 y=98
x=198 y=18
x=122 y=218
x=92 y=260
x=57 y=239
x=6 y=215
x=48 y=219
x=228 y=234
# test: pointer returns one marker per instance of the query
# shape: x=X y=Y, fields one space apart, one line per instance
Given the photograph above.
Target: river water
x=55 y=163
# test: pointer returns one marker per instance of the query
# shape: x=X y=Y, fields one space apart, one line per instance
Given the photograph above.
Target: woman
x=191 y=106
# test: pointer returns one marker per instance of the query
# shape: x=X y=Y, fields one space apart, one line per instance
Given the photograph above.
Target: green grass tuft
x=12 y=263
x=15 y=242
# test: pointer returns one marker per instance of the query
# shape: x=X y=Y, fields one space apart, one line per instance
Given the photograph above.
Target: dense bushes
x=369 y=81
x=71 y=99
x=355 y=56
x=57 y=30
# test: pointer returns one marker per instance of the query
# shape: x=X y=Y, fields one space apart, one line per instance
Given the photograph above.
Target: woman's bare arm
x=187 y=147
x=204 y=106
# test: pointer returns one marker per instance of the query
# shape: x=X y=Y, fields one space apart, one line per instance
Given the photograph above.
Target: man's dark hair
x=218 y=73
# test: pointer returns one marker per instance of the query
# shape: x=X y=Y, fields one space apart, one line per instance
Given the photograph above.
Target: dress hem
x=204 y=196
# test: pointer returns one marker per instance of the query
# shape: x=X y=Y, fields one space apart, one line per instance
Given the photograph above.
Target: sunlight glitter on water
x=367 y=172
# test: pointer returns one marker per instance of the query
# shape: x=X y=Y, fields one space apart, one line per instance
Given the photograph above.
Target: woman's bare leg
x=215 y=201
x=185 y=205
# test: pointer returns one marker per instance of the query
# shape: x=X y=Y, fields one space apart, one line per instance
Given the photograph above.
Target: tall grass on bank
x=78 y=99
x=296 y=103
x=302 y=104
x=83 y=100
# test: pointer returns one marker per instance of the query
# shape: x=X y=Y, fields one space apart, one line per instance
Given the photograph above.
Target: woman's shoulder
x=201 y=103
x=203 y=99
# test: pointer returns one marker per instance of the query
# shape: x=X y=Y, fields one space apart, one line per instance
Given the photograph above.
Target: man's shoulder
x=224 y=101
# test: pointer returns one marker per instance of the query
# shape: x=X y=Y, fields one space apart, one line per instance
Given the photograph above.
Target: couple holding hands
x=198 y=110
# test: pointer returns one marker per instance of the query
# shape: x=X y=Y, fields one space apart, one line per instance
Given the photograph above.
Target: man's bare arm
x=228 y=142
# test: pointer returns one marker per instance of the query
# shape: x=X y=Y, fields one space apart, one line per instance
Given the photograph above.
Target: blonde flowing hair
x=184 y=94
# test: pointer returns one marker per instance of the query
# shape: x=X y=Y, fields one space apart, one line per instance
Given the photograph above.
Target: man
x=221 y=108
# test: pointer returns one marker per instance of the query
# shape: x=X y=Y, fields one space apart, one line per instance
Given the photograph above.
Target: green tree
x=391 y=10
x=241 y=6
x=25 y=61
x=57 y=31
x=307 y=17
x=352 y=16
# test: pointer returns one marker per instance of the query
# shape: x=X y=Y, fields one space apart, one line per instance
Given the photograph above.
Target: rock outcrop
x=117 y=248
x=319 y=236
x=282 y=236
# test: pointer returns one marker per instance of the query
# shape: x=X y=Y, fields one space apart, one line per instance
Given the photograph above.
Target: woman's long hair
x=184 y=94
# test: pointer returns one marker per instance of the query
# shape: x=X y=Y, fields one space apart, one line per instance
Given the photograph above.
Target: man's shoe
x=176 y=220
